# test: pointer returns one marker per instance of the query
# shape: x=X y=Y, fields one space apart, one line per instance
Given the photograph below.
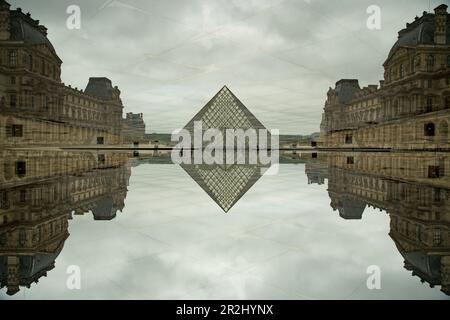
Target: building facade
x=410 y=108
x=36 y=108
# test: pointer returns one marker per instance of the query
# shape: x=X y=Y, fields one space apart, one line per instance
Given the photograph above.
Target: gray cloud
x=278 y=56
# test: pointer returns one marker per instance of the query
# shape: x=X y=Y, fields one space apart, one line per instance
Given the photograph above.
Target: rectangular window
x=12 y=58
x=348 y=139
x=437 y=237
x=17 y=130
x=23 y=195
x=101 y=158
x=21 y=168
x=13 y=101
x=429 y=104
x=433 y=172
x=3 y=200
x=350 y=160
x=100 y=140
x=13 y=80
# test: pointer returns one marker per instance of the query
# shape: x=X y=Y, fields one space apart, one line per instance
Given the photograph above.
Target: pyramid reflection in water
x=225 y=184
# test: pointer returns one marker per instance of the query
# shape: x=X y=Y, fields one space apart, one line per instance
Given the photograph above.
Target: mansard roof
x=25 y=29
x=420 y=31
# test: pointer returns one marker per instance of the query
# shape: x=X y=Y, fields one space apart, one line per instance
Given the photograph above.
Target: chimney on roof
x=440 y=21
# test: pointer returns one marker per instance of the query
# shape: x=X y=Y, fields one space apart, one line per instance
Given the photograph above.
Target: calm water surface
x=281 y=240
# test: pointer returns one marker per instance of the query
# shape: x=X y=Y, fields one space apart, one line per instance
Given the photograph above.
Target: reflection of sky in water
x=280 y=241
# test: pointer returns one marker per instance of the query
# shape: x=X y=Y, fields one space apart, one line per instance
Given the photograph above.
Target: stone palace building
x=410 y=109
x=36 y=108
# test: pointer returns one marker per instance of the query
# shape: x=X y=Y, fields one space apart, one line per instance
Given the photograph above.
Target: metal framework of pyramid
x=225 y=111
x=225 y=184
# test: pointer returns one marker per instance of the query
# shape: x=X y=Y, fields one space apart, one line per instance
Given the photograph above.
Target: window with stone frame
x=430 y=63
x=429 y=106
x=4 y=203
x=17 y=130
x=12 y=57
x=348 y=139
x=429 y=129
x=13 y=101
x=21 y=168
x=30 y=62
x=437 y=239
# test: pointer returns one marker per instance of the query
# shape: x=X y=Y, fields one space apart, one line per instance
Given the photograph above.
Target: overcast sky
x=278 y=56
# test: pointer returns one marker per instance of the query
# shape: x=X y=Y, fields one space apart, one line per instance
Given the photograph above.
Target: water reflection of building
x=37 y=203
x=35 y=106
x=133 y=127
x=414 y=188
x=411 y=107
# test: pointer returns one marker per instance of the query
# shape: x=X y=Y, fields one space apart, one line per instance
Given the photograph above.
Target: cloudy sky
x=278 y=56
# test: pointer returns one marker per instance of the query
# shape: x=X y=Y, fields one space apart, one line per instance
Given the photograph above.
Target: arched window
x=429 y=129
